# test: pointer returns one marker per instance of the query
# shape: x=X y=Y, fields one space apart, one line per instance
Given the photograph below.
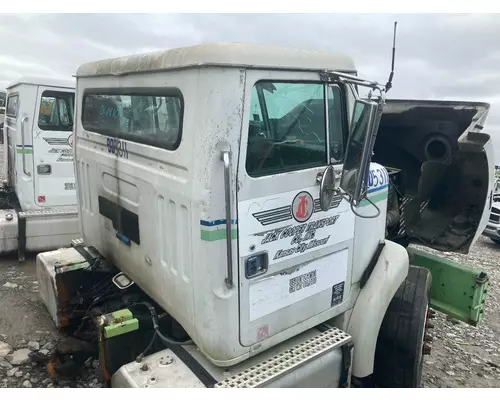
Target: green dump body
x=458 y=290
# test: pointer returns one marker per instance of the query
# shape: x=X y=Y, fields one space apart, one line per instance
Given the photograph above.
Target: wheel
x=494 y=240
x=400 y=343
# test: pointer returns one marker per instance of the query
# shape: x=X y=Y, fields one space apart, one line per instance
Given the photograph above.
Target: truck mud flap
x=21 y=241
x=458 y=290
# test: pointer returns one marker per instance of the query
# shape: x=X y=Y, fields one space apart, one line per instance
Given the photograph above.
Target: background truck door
x=54 y=176
x=294 y=259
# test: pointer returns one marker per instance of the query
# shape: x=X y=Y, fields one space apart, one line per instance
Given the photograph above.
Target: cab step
x=37 y=217
x=264 y=373
x=53 y=212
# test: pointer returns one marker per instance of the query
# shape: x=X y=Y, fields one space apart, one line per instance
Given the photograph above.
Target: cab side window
x=147 y=118
x=12 y=106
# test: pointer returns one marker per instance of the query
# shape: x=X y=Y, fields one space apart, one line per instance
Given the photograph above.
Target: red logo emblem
x=41 y=199
x=302 y=207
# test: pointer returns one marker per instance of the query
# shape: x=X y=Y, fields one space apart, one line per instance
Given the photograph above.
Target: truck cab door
x=54 y=177
x=295 y=251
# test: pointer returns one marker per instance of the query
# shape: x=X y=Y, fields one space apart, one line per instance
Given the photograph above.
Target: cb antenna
x=388 y=85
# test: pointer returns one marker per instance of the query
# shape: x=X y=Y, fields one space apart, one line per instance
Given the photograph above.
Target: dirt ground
x=462 y=356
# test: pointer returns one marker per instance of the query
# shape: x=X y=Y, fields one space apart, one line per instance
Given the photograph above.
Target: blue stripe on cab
x=217 y=222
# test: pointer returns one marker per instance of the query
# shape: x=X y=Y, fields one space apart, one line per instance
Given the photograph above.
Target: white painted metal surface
x=178 y=197
x=236 y=55
x=8 y=230
x=163 y=369
x=35 y=138
x=312 y=359
x=42 y=81
x=46 y=276
x=39 y=159
x=370 y=307
x=271 y=294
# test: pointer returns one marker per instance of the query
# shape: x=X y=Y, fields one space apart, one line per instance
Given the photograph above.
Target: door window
x=287 y=127
x=56 y=111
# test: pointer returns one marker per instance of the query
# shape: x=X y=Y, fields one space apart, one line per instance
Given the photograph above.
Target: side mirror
x=359 y=148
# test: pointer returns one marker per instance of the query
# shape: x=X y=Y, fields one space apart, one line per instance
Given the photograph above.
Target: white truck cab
x=235 y=185
x=493 y=228
x=3 y=96
x=38 y=149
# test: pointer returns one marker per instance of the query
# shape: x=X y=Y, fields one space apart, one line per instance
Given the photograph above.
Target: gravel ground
x=462 y=356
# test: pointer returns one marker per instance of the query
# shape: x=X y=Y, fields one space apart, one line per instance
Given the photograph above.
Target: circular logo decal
x=302 y=207
x=70 y=140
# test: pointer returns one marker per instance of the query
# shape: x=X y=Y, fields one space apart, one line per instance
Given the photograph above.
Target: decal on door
x=296 y=224
x=338 y=293
x=281 y=214
x=275 y=292
x=302 y=207
x=303 y=237
x=56 y=141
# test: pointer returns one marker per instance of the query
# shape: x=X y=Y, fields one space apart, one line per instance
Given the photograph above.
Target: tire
x=496 y=241
x=399 y=351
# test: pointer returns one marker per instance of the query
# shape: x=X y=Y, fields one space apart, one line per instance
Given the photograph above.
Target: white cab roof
x=43 y=81
x=221 y=54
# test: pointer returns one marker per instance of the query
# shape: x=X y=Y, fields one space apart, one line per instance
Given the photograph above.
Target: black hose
x=141 y=356
x=172 y=342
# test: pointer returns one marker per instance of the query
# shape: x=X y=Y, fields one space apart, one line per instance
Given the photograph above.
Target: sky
x=438 y=56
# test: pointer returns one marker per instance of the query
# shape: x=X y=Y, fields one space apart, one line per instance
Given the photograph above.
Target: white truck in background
x=2 y=112
x=492 y=230
x=38 y=199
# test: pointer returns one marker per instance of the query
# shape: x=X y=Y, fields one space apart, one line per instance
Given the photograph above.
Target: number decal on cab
x=378 y=177
x=117 y=147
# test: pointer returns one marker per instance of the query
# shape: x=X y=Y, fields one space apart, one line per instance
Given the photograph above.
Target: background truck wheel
x=400 y=343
